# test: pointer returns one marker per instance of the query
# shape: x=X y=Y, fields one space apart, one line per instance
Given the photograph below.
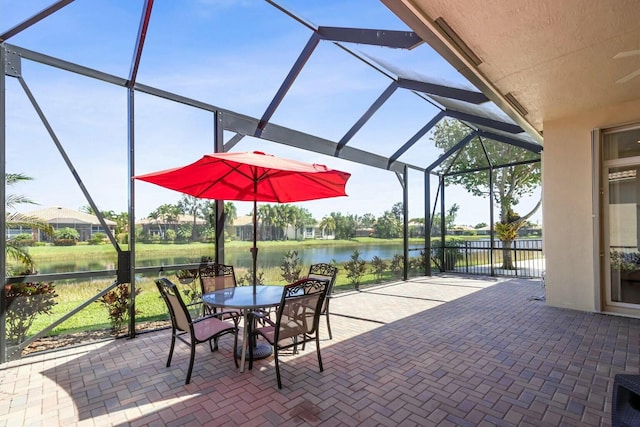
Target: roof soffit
x=556 y=58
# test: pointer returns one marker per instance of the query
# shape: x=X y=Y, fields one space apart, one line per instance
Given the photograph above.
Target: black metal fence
x=523 y=259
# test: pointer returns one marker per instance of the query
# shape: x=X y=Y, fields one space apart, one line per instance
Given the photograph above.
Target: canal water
x=240 y=257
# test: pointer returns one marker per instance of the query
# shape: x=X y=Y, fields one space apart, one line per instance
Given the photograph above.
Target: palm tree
x=155 y=217
x=15 y=219
x=265 y=217
x=169 y=215
x=230 y=213
x=327 y=223
x=122 y=222
x=193 y=206
x=281 y=221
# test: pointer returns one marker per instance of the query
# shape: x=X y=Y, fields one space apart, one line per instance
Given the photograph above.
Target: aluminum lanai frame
x=241 y=125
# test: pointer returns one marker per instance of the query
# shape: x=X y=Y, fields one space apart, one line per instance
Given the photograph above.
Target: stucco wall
x=569 y=240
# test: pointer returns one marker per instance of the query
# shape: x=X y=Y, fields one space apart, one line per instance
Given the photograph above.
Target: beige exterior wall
x=569 y=228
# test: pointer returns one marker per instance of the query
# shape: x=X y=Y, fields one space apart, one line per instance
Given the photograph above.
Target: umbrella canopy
x=254 y=176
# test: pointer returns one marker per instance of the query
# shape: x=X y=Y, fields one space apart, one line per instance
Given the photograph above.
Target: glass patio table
x=244 y=299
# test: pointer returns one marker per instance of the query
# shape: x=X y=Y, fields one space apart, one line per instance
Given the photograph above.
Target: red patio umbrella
x=254 y=176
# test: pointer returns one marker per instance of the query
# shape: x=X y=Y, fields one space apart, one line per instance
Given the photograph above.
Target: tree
x=267 y=219
x=121 y=219
x=208 y=213
x=15 y=219
x=87 y=209
x=388 y=226
x=449 y=220
x=367 y=220
x=282 y=219
x=327 y=223
x=165 y=214
x=155 y=217
x=230 y=213
x=193 y=206
x=416 y=227
x=511 y=183
x=398 y=211
x=345 y=225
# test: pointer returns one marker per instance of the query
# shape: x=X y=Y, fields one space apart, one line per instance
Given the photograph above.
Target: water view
x=240 y=257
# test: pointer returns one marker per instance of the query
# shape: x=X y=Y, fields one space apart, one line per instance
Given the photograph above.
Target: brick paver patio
x=445 y=351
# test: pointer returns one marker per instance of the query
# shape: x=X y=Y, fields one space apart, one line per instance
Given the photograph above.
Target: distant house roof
x=243 y=220
x=61 y=215
x=181 y=219
x=462 y=228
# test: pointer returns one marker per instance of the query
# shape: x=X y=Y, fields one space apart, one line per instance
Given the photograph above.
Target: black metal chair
x=214 y=277
x=625 y=404
x=208 y=328
x=328 y=272
x=297 y=319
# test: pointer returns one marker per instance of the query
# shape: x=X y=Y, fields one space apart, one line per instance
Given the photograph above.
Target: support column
x=218 y=140
x=132 y=212
x=491 y=224
x=427 y=223
x=3 y=209
x=405 y=223
x=443 y=227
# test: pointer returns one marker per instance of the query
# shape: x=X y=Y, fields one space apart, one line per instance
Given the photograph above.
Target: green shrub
x=378 y=266
x=397 y=264
x=451 y=253
x=66 y=237
x=291 y=267
x=23 y=239
x=355 y=268
x=97 y=238
x=247 y=278
x=116 y=301
x=170 y=235
x=24 y=302
x=192 y=288
x=418 y=263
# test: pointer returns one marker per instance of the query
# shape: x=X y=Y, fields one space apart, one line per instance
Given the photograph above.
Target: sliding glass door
x=621 y=217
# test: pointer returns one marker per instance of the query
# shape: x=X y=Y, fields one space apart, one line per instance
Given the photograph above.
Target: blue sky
x=230 y=53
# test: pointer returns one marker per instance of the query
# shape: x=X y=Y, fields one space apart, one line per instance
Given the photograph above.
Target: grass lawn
x=149 y=305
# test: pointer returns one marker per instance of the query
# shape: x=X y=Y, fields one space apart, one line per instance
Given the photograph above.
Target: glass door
x=624 y=258
x=621 y=214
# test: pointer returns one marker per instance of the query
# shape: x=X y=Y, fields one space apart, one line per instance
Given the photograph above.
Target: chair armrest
x=263 y=316
x=217 y=315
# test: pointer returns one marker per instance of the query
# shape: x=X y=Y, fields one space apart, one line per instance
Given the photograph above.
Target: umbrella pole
x=254 y=249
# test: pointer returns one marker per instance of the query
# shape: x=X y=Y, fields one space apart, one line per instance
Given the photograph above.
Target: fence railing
x=523 y=259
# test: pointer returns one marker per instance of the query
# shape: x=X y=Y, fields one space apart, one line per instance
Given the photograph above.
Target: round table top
x=243 y=297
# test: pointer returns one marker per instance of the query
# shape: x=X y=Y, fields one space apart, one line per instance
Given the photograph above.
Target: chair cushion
x=268 y=332
x=209 y=327
x=287 y=330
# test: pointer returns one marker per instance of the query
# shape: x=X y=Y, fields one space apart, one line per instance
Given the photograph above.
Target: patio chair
x=208 y=328
x=214 y=277
x=297 y=319
x=329 y=272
